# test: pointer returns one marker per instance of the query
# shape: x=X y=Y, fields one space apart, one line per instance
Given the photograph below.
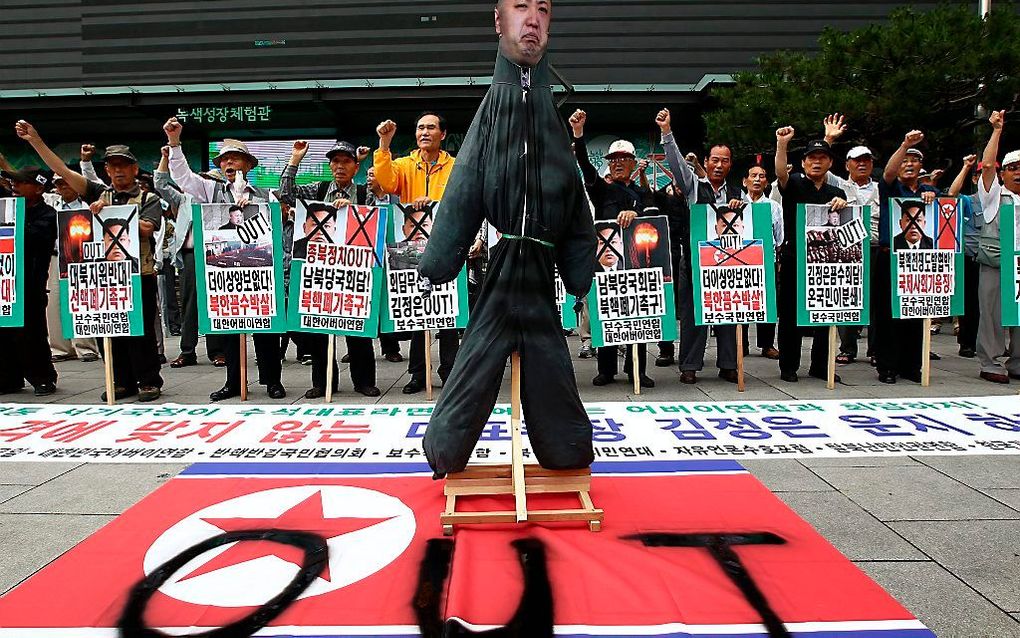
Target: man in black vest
x=341 y=192
x=716 y=190
x=617 y=200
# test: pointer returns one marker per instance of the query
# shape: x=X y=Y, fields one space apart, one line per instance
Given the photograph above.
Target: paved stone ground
x=941 y=534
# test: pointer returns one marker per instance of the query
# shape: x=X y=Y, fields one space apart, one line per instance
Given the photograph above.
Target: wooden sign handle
x=330 y=354
x=740 y=357
x=830 y=377
x=428 y=365
x=926 y=354
x=635 y=367
x=244 y=367
x=108 y=367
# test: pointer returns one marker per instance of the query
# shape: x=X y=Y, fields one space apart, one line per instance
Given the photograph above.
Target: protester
x=234 y=162
x=992 y=339
x=340 y=192
x=973 y=221
x=617 y=200
x=809 y=187
x=713 y=189
x=754 y=185
x=419 y=179
x=26 y=349
x=897 y=341
x=135 y=359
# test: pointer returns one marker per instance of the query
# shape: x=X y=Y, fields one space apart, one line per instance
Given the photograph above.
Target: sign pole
x=428 y=364
x=740 y=357
x=925 y=354
x=108 y=365
x=244 y=366
x=830 y=380
x=516 y=439
x=330 y=357
x=635 y=367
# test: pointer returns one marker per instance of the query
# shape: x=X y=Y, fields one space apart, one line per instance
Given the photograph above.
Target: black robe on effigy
x=516 y=170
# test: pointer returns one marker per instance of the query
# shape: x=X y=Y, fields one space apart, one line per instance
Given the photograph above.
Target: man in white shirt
x=754 y=193
x=992 y=337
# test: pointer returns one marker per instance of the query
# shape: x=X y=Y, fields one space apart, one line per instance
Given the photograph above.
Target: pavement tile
x=939 y=600
x=912 y=493
x=7 y=492
x=93 y=489
x=39 y=538
x=853 y=531
x=987 y=472
x=786 y=475
x=981 y=553
x=1010 y=497
x=32 y=473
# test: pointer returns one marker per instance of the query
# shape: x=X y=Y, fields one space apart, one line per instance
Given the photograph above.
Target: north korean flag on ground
x=378 y=519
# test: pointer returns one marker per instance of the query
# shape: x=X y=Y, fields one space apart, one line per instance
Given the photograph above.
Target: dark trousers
x=362 y=360
x=766 y=336
x=607 y=360
x=136 y=359
x=967 y=338
x=27 y=349
x=897 y=341
x=267 y=355
x=169 y=307
x=389 y=343
x=214 y=344
x=449 y=344
x=789 y=332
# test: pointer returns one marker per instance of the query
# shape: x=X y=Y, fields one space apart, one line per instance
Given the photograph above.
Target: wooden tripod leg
x=517 y=444
x=108 y=366
x=428 y=365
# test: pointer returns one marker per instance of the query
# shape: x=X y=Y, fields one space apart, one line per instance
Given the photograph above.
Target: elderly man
x=713 y=189
x=992 y=337
x=516 y=171
x=419 y=179
x=234 y=162
x=619 y=198
x=135 y=359
x=26 y=350
x=754 y=185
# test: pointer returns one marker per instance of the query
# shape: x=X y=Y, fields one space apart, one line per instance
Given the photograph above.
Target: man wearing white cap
x=992 y=338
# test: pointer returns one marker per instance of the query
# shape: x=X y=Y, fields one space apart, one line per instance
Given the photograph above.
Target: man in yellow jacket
x=419 y=179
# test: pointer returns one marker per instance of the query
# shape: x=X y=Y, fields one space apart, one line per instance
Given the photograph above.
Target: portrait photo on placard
x=110 y=235
x=411 y=223
x=834 y=236
x=314 y=222
x=609 y=249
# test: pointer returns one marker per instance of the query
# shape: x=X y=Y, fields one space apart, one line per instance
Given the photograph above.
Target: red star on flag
x=306 y=516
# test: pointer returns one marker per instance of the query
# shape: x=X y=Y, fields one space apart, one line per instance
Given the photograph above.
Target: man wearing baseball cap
x=897 y=341
x=344 y=161
x=27 y=348
x=992 y=338
x=617 y=200
x=135 y=359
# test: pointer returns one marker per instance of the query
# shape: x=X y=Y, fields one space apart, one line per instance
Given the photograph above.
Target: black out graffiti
x=532 y=619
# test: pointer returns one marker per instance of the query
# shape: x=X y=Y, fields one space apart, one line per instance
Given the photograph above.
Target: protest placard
x=832 y=265
x=12 y=262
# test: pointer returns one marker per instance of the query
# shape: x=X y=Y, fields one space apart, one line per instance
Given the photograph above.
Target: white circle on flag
x=352 y=556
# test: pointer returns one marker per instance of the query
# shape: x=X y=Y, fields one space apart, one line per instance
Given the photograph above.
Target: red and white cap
x=620 y=147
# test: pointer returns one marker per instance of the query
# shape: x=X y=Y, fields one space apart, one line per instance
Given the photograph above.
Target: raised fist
x=663 y=120
x=785 y=134
x=88 y=151
x=386 y=131
x=299 y=151
x=173 y=129
x=997 y=119
x=26 y=131
x=913 y=138
x=577 y=120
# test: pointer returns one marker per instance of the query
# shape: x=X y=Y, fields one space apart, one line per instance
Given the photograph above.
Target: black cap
x=907 y=204
x=29 y=174
x=819 y=146
x=119 y=150
x=343 y=147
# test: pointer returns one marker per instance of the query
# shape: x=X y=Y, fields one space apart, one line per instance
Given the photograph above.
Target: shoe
x=824 y=376
x=119 y=392
x=934 y=357
x=184 y=361
x=646 y=381
x=913 y=376
x=162 y=360
x=689 y=377
x=887 y=377
x=603 y=379
x=845 y=359
x=936 y=328
x=90 y=357
x=873 y=361
x=226 y=392
x=148 y=393
x=414 y=386
x=175 y=333
x=1013 y=375
x=586 y=351
x=219 y=361
x=770 y=353
x=664 y=361
x=276 y=391
x=968 y=353
x=789 y=377
x=315 y=393
x=728 y=374
x=346 y=358
x=995 y=377
x=45 y=389
x=367 y=390
x=57 y=358
x=394 y=357
x=305 y=359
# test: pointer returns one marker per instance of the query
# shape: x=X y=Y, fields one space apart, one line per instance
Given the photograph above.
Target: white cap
x=916 y=151
x=1012 y=157
x=618 y=147
x=859 y=151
